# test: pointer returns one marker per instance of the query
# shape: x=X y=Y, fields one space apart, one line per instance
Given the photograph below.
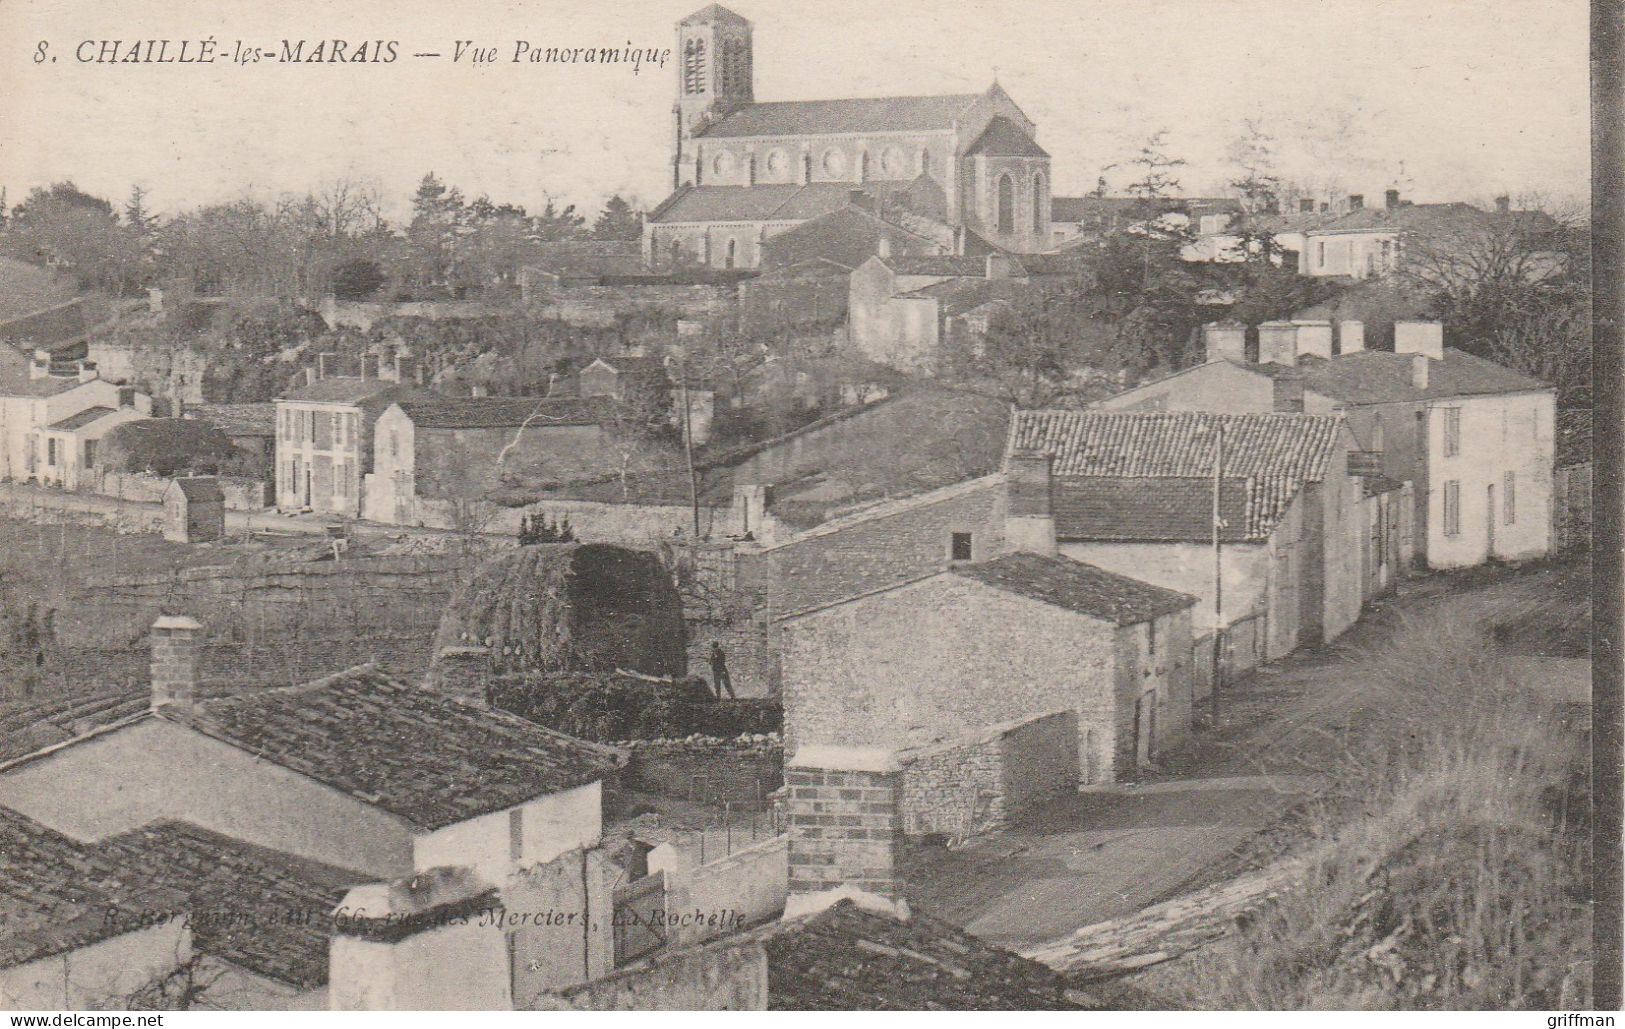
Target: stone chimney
x=1278 y=343
x=1225 y=341
x=1029 y=483
x=174 y=660
x=1419 y=371
x=883 y=247
x=1419 y=338
x=463 y=673
x=1503 y=204
x=1314 y=338
x=86 y=371
x=844 y=824
x=1356 y=201
x=1288 y=393
x=1391 y=199
x=1350 y=337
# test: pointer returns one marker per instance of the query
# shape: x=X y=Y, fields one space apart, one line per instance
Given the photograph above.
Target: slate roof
x=848 y=236
x=422 y=756
x=1383 y=377
x=848 y=958
x=838 y=117
x=1275 y=453
x=1004 y=138
x=713 y=13
x=341 y=389
x=56 y=893
x=946 y=265
x=1423 y=217
x=260 y=909
x=500 y=412
x=82 y=419
x=1162 y=509
x=1075 y=586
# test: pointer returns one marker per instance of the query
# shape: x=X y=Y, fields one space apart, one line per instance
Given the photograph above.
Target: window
x=863 y=166
x=287 y=424
x=1320 y=255
x=1007 y=204
x=1452 y=431
x=806 y=167
x=733 y=252
x=90 y=460
x=1452 y=508
x=1038 y=205
x=834 y=163
x=1151 y=637
x=925 y=161
x=694 y=66
x=50 y=452
x=516 y=834
x=1509 y=498
x=959 y=546
x=394 y=443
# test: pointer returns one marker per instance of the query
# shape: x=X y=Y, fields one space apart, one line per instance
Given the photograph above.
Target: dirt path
x=1106 y=853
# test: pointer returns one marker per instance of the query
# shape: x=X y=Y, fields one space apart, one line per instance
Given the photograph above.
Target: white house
x=46 y=403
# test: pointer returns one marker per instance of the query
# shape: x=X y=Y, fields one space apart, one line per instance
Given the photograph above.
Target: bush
x=357 y=279
x=608 y=708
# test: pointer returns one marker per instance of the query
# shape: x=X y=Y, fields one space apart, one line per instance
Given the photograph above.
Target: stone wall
x=978 y=783
x=599 y=305
x=741 y=774
x=742 y=889
x=241 y=494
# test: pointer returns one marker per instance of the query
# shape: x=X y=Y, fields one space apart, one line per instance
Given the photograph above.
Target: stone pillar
x=1029 y=502
x=1314 y=338
x=462 y=673
x=1426 y=338
x=1225 y=341
x=174 y=659
x=845 y=827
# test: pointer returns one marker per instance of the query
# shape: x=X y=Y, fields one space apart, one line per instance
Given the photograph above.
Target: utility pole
x=1218 y=575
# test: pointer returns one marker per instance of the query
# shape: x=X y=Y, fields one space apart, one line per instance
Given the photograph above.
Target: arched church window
x=806 y=167
x=723 y=165
x=834 y=162
x=925 y=161
x=1007 y=204
x=733 y=252
x=777 y=164
x=1038 y=205
x=694 y=66
x=863 y=166
x=891 y=163
x=676 y=253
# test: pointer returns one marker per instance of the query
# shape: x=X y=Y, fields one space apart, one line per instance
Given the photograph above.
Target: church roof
x=837 y=117
x=789 y=202
x=1004 y=138
x=712 y=13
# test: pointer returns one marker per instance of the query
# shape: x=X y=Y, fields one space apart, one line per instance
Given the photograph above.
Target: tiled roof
x=945 y=265
x=57 y=894
x=200 y=487
x=1075 y=586
x=838 y=117
x=848 y=236
x=1004 y=138
x=848 y=958
x=341 y=389
x=26 y=727
x=429 y=759
x=82 y=419
x=1275 y=453
x=260 y=909
x=1148 y=510
x=237 y=419
x=1383 y=377
x=499 y=412
x=1425 y=217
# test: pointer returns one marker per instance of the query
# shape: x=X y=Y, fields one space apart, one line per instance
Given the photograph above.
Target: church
x=963 y=172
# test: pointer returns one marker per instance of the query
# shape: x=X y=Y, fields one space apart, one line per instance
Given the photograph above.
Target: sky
x=1443 y=99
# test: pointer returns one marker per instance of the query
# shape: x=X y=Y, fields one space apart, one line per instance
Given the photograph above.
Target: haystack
x=570 y=607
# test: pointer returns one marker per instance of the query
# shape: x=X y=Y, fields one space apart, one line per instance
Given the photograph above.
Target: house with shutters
x=1475 y=441
x=1137 y=494
x=324 y=441
x=52 y=416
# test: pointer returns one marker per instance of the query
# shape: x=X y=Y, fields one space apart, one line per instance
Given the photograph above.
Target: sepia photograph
x=1017 y=505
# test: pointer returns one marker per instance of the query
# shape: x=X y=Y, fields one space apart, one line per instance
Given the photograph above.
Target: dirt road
x=1109 y=852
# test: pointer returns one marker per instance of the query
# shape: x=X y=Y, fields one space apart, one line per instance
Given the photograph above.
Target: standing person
x=720 y=680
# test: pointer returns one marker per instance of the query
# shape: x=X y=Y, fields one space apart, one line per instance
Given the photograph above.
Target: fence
x=1571 y=506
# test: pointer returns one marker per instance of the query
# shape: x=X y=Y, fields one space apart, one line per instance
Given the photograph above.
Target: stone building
x=324 y=441
x=993 y=644
x=744 y=171
x=194 y=510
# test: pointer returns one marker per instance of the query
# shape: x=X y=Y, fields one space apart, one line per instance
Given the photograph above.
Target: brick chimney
x=1225 y=341
x=1391 y=199
x=1350 y=337
x=463 y=673
x=1278 y=343
x=1288 y=392
x=1029 y=483
x=1419 y=371
x=844 y=825
x=174 y=660
x=1419 y=338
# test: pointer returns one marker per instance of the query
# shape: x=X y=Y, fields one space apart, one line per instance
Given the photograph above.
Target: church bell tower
x=714 y=77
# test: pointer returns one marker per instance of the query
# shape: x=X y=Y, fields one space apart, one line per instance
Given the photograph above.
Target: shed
x=194 y=510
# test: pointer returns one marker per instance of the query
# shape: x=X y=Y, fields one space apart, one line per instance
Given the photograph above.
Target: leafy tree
x=1259 y=188
x=357 y=279
x=136 y=215
x=68 y=228
x=557 y=224
x=618 y=220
